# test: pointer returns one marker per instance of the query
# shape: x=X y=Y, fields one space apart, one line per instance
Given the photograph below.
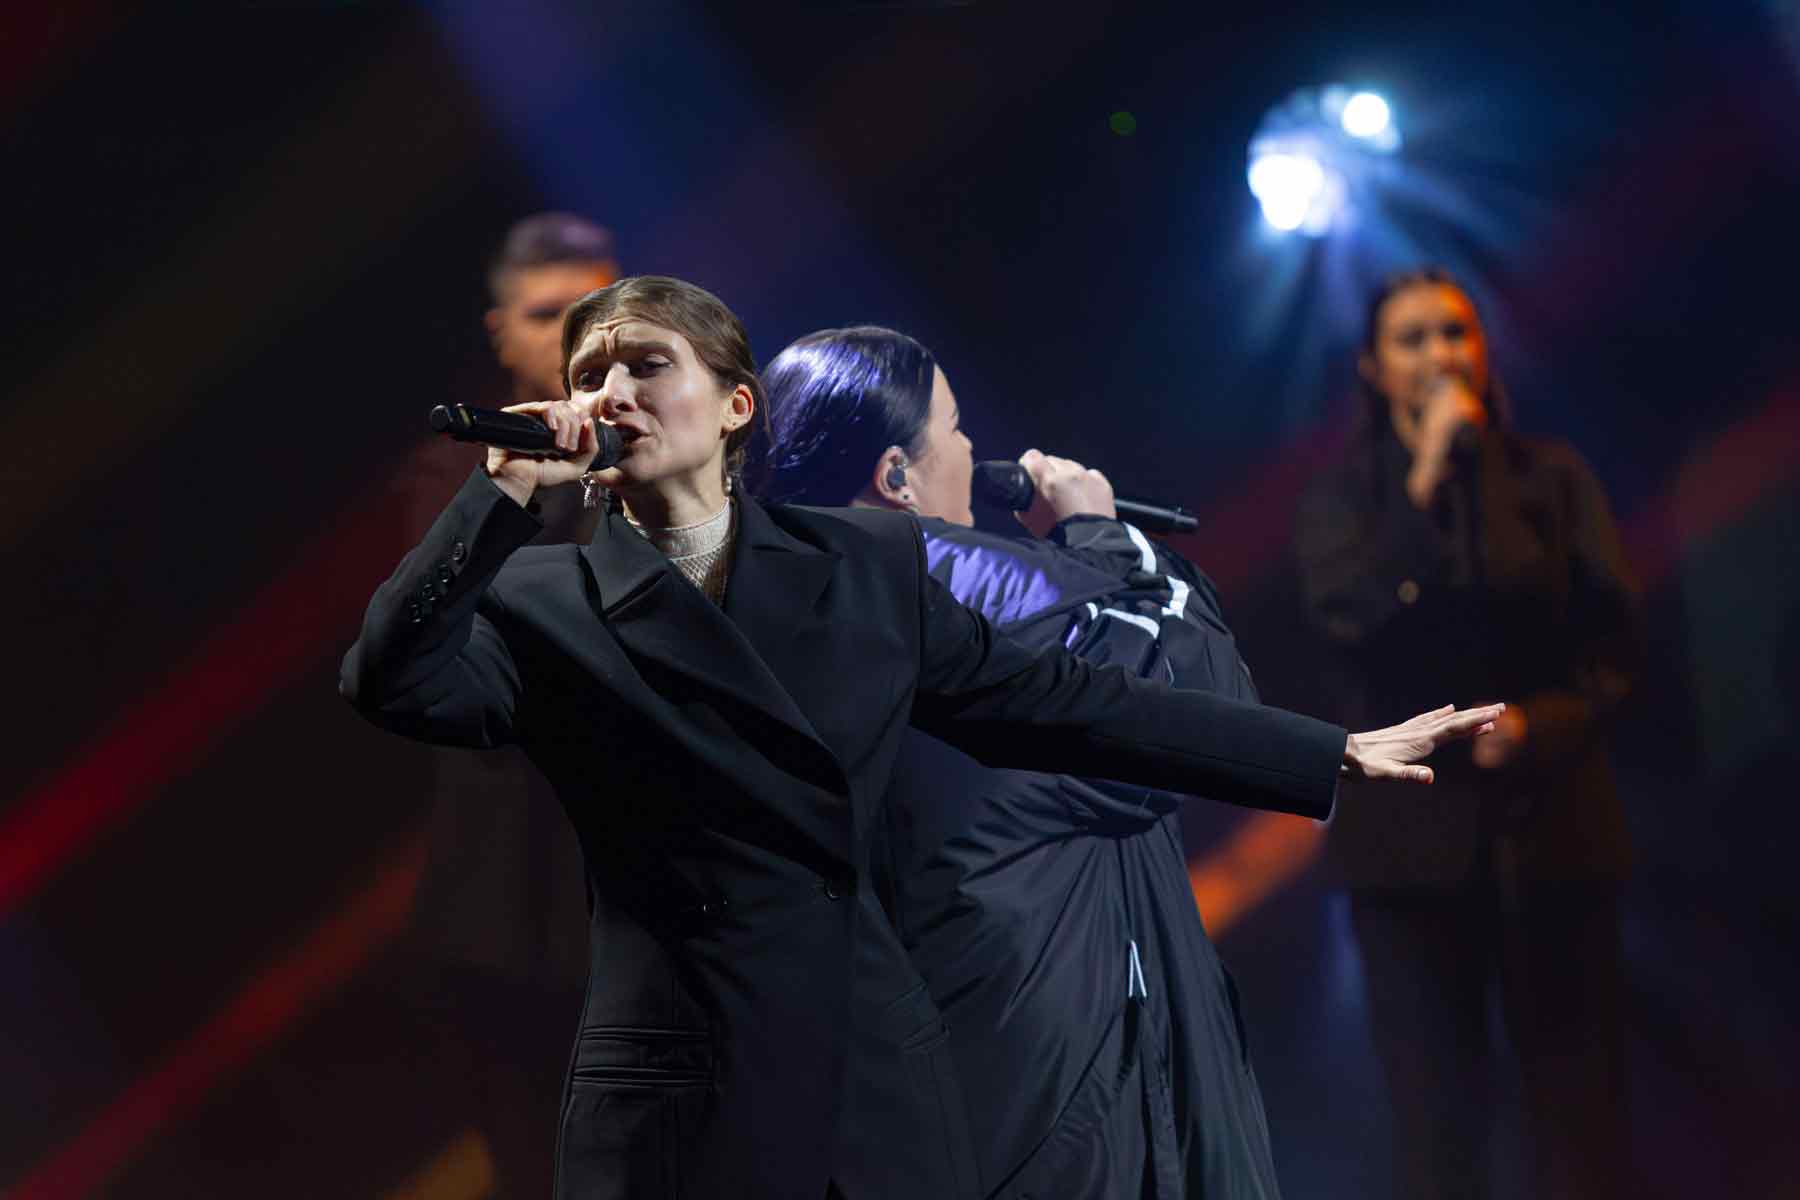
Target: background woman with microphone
x=1488 y=563
x=1094 y=1028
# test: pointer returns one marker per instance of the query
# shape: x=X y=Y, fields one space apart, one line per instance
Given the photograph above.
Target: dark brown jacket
x=1512 y=587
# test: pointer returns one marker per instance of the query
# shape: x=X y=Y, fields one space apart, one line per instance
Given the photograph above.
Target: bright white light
x=1286 y=185
x=1365 y=115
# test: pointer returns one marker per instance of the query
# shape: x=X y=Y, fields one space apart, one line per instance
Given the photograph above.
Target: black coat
x=1095 y=1030
x=1511 y=587
x=723 y=771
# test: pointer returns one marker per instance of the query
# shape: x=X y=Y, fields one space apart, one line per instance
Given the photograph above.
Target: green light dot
x=1123 y=123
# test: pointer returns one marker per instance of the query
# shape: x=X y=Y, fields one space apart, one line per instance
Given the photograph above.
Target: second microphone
x=1008 y=485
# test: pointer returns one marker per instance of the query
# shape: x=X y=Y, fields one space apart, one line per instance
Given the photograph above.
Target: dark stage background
x=246 y=245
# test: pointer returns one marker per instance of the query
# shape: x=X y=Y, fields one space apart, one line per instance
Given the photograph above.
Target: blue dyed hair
x=837 y=399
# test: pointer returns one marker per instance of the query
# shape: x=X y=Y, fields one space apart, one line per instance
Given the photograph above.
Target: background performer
x=1488 y=564
x=496 y=951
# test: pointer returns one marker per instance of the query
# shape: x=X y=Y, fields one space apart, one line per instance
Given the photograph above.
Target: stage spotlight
x=1287 y=186
x=1315 y=155
x=1365 y=115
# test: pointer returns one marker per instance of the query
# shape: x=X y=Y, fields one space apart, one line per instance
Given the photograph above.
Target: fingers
x=566 y=420
x=1398 y=771
x=1426 y=718
x=587 y=441
x=1065 y=488
x=1461 y=725
x=1470 y=718
x=1049 y=469
x=1448 y=717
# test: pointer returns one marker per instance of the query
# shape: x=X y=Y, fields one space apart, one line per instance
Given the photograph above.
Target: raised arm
x=430 y=662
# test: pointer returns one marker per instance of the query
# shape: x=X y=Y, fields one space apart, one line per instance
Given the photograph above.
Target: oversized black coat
x=1096 y=1032
x=723 y=770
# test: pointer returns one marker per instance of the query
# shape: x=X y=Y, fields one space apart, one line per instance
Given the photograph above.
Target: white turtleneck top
x=701 y=551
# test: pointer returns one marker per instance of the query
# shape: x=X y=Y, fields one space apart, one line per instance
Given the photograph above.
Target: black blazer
x=723 y=771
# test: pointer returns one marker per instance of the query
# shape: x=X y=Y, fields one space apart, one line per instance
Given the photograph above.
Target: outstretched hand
x=1394 y=752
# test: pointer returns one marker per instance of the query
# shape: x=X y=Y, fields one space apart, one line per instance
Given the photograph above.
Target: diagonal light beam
x=272 y=1003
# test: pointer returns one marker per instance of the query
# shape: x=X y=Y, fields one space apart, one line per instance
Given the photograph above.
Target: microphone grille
x=1003 y=483
x=612 y=446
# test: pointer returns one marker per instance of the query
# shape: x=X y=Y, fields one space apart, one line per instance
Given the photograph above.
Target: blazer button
x=838 y=888
x=458 y=552
x=1408 y=592
x=414 y=613
x=445 y=574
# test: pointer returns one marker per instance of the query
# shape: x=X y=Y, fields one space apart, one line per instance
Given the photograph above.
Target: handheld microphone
x=1465 y=443
x=1465 y=439
x=1009 y=485
x=518 y=431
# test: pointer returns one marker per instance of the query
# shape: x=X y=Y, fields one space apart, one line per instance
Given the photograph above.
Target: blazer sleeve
x=430 y=662
x=1009 y=707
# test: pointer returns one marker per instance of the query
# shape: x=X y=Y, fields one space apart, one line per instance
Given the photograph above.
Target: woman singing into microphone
x=1095 y=1030
x=717 y=689
x=1487 y=562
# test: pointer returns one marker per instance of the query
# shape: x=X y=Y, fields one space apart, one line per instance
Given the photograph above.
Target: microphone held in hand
x=518 y=431
x=1008 y=485
x=1450 y=387
x=1465 y=443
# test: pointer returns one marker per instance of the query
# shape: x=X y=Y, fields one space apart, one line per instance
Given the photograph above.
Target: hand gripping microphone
x=1009 y=485
x=1465 y=439
x=519 y=431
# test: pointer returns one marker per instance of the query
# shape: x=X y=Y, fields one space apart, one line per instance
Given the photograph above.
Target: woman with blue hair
x=1094 y=1030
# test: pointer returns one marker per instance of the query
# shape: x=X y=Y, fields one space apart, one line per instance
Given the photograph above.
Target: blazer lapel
x=776 y=581
x=658 y=615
